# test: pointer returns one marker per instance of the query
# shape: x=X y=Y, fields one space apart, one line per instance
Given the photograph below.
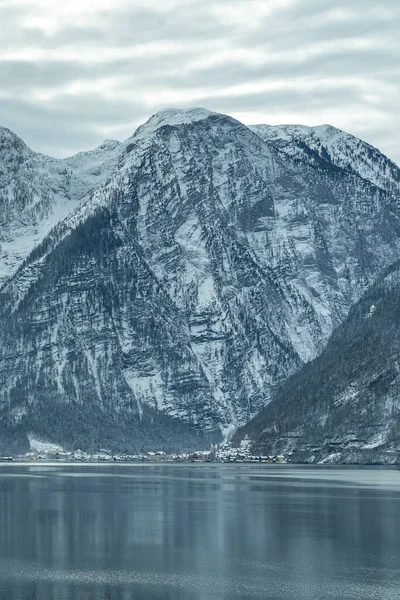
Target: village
x=224 y=453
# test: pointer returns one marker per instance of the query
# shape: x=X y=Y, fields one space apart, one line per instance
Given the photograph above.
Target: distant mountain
x=169 y=307
x=36 y=192
x=345 y=405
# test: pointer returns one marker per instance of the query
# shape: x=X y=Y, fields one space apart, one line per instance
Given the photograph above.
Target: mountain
x=327 y=145
x=36 y=192
x=345 y=405
x=175 y=300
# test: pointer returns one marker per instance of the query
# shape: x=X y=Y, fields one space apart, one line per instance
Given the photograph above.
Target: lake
x=198 y=532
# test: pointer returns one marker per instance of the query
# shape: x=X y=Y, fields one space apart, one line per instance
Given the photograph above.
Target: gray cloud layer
x=74 y=73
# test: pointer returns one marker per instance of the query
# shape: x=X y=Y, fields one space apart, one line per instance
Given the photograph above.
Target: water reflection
x=198 y=533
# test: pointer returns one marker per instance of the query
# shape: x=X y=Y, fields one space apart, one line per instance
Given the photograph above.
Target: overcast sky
x=74 y=72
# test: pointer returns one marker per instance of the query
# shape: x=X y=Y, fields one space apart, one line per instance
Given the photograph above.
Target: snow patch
x=331 y=458
x=206 y=292
x=378 y=440
x=40 y=446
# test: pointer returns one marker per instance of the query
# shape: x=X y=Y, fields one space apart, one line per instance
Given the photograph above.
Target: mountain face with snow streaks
x=181 y=293
x=327 y=145
x=37 y=192
x=344 y=406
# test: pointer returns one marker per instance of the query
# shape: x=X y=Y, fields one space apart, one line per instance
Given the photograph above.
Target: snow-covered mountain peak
x=10 y=143
x=6 y=135
x=173 y=116
x=328 y=145
x=109 y=145
x=106 y=147
x=329 y=130
x=37 y=191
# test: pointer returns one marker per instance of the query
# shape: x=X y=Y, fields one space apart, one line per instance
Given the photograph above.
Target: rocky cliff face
x=345 y=405
x=178 y=296
x=327 y=145
x=36 y=192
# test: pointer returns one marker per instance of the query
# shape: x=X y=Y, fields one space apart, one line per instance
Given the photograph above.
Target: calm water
x=199 y=532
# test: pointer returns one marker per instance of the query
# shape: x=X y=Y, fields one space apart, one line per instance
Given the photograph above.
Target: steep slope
x=36 y=192
x=327 y=145
x=345 y=405
x=188 y=288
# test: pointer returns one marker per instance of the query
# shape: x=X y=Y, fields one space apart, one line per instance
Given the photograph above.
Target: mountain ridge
x=330 y=144
x=208 y=268
x=37 y=192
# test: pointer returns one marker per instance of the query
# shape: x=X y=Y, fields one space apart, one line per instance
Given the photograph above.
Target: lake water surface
x=198 y=532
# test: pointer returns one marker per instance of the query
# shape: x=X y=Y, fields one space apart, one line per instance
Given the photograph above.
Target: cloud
x=74 y=73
